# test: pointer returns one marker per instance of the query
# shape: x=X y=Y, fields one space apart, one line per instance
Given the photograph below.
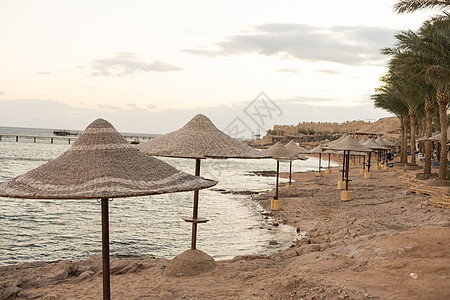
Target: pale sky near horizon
x=150 y=66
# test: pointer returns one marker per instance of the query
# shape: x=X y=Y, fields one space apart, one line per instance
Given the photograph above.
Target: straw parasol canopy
x=347 y=144
x=283 y=154
x=317 y=150
x=372 y=144
x=101 y=164
x=338 y=140
x=437 y=137
x=199 y=138
x=363 y=140
x=296 y=148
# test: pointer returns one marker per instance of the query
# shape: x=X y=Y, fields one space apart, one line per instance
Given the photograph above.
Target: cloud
x=350 y=45
x=329 y=72
x=1 y=93
x=124 y=64
x=289 y=70
x=43 y=73
x=131 y=105
x=107 y=106
x=151 y=106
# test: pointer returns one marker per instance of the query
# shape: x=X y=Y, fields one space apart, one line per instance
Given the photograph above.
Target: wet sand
x=387 y=243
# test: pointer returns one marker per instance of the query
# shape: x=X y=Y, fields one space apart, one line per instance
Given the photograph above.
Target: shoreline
x=364 y=248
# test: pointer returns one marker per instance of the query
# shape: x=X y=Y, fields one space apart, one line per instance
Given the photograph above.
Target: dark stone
x=422 y=176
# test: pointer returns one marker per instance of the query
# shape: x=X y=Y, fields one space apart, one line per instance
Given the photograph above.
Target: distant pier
x=63 y=139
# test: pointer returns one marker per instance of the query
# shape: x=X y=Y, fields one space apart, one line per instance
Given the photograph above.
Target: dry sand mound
x=189 y=263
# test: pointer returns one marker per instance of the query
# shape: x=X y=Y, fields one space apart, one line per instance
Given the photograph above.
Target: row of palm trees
x=418 y=78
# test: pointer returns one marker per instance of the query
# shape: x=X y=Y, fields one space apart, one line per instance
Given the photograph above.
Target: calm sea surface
x=53 y=230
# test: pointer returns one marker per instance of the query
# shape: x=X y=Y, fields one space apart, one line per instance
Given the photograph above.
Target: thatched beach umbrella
x=280 y=153
x=347 y=145
x=372 y=144
x=329 y=152
x=101 y=164
x=318 y=150
x=198 y=139
x=296 y=149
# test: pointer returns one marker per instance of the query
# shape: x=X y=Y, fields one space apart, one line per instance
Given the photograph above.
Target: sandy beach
x=387 y=243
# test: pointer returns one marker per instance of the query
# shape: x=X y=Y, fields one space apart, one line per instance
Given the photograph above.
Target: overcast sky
x=150 y=66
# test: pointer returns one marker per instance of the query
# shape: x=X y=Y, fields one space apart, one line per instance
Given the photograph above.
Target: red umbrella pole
x=105 y=250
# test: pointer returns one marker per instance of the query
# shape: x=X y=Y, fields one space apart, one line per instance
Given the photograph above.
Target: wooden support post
x=290 y=172
x=105 y=250
x=195 y=209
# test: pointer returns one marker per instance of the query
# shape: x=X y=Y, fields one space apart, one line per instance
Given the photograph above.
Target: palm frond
x=408 y=6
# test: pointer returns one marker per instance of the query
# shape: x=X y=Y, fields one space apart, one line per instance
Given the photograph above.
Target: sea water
x=54 y=230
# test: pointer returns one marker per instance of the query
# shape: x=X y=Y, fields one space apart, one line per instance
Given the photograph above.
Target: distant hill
x=389 y=126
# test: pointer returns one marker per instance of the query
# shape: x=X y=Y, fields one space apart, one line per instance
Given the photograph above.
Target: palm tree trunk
x=419 y=129
x=438 y=121
x=429 y=106
x=442 y=100
x=412 y=120
x=404 y=150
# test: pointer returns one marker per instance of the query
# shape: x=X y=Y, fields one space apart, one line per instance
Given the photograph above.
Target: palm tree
x=406 y=89
x=406 y=62
x=425 y=58
x=388 y=98
x=432 y=55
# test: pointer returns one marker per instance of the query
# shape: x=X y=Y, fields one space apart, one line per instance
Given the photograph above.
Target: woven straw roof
x=383 y=142
x=324 y=146
x=437 y=136
x=280 y=152
x=348 y=144
x=372 y=144
x=338 y=140
x=101 y=164
x=199 y=138
x=296 y=148
x=317 y=150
